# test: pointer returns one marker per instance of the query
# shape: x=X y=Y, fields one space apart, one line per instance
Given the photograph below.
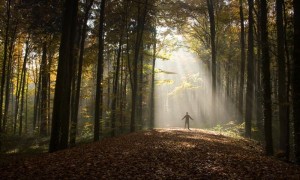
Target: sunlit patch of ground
x=173 y=153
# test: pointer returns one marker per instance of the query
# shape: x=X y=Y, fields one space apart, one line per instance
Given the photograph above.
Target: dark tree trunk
x=79 y=74
x=140 y=90
x=250 y=73
x=8 y=80
x=22 y=86
x=139 y=37
x=283 y=143
x=99 y=87
x=152 y=96
x=4 y=70
x=296 y=81
x=61 y=106
x=44 y=92
x=37 y=100
x=213 y=53
x=115 y=89
x=267 y=102
x=258 y=88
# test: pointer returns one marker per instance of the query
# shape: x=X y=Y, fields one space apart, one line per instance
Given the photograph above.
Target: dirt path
x=158 y=154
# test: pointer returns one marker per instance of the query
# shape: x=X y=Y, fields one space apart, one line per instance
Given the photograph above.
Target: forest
x=112 y=85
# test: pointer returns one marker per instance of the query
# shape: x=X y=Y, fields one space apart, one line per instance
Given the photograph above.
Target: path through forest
x=157 y=154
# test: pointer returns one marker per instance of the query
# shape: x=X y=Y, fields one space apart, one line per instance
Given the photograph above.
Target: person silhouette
x=187 y=118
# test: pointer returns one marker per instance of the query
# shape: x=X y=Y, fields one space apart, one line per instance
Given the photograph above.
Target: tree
x=99 y=87
x=243 y=56
x=75 y=108
x=213 y=51
x=61 y=106
x=138 y=41
x=267 y=101
x=283 y=111
x=296 y=81
x=250 y=72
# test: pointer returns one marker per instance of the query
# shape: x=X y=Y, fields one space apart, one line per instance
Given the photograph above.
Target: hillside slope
x=157 y=154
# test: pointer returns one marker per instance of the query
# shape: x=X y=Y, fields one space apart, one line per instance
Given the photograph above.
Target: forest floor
x=156 y=154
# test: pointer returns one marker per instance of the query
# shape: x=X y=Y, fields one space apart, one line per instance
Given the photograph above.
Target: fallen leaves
x=157 y=154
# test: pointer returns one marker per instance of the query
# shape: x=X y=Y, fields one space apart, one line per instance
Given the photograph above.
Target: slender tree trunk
x=213 y=54
x=44 y=92
x=267 y=105
x=22 y=86
x=250 y=73
x=283 y=144
x=258 y=88
x=152 y=96
x=26 y=106
x=140 y=90
x=79 y=75
x=37 y=100
x=99 y=87
x=8 y=78
x=3 y=77
x=139 y=37
x=296 y=81
x=288 y=85
x=61 y=106
x=115 y=89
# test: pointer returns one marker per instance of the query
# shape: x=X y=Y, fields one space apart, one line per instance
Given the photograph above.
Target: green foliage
x=231 y=129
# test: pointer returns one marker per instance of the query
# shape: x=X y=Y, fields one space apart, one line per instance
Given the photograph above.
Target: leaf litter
x=156 y=154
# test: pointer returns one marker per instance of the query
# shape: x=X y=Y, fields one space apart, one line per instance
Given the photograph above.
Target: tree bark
x=283 y=128
x=213 y=54
x=61 y=106
x=296 y=81
x=267 y=105
x=44 y=92
x=99 y=87
x=139 y=37
x=79 y=74
x=152 y=96
x=250 y=73
x=3 y=77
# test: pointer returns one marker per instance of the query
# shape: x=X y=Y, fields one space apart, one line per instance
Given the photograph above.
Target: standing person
x=187 y=118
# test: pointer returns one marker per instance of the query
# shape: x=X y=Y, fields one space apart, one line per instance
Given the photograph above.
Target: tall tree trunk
x=258 y=88
x=296 y=81
x=140 y=90
x=267 y=105
x=44 y=91
x=115 y=89
x=250 y=73
x=99 y=87
x=152 y=96
x=139 y=37
x=283 y=143
x=79 y=75
x=4 y=70
x=22 y=86
x=213 y=53
x=8 y=78
x=62 y=96
x=26 y=106
x=37 y=100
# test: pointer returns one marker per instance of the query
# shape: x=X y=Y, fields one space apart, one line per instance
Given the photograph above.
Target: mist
x=183 y=84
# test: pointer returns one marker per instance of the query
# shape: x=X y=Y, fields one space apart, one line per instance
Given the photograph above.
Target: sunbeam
x=187 y=88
